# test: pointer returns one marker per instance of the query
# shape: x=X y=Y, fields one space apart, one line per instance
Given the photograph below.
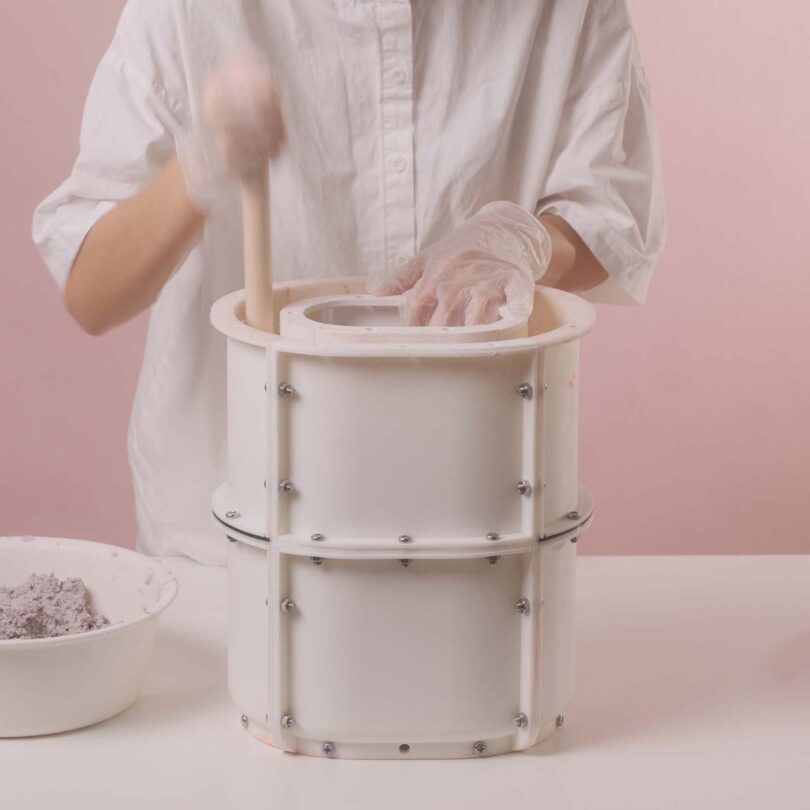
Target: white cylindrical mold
x=401 y=504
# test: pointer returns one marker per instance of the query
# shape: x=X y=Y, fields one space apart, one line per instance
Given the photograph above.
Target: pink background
x=695 y=409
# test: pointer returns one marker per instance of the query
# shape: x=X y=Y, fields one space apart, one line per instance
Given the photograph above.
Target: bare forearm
x=130 y=253
x=573 y=266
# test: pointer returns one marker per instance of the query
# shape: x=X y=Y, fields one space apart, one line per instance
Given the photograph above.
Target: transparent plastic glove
x=485 y=269
x=242 y=127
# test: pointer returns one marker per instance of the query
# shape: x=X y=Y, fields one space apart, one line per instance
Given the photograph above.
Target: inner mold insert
x=359 y=312
x=342 y=318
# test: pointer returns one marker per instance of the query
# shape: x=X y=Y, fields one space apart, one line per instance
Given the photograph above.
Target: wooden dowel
x=259 y=311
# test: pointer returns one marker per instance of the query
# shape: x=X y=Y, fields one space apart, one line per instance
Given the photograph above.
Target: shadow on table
x=188 y=673
x=678 y=664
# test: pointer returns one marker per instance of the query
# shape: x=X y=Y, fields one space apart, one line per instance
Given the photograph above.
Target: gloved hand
x=491 y=261
x=242 y=127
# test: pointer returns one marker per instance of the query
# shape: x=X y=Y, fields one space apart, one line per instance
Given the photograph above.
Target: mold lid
x=558 y=317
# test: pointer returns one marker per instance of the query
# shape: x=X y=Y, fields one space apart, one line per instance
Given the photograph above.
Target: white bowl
x=58 y=684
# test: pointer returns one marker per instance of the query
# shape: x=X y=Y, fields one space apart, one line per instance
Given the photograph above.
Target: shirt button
x=398 y=164
x=399 y=75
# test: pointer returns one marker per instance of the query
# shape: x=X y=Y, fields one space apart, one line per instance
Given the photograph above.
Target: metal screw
x=287 y=605
x=232 y=514
x=574 y=515
x=317 y=560
x=404 y=563
x=521 y=720
x=405 y=538
x=404 y=748
x=525 y=390
x=480 y=747
x=286 y=487
x=328 y=748
x=317 y=538
x=493 y=536
x=523 y=606
x=574 y=539
x=560 y=721
x=244 y=721
x=524 y=487
x=494 y=559
x=287 y=721
x=286 y=390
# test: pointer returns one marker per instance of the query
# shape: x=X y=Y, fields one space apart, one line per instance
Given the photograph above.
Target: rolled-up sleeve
x=605 y=175
x=127 y=134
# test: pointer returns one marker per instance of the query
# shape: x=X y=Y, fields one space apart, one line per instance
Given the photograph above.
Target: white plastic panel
x=248 y=629
x=381 y=447
x=561 y=413
x=247 y=429
x=378 y=652
x=556 y=662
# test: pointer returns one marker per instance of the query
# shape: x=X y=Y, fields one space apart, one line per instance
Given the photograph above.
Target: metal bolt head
x=524 y=487
x=244 y=721
x=523 y=606
x=405 y=538
x=493 y=560
x=404 y=563
x=525 y=390
x=287 y=605
x=574 y=515
x=285 y=487
x=560 y=721
x=480 y=747
x=328 y=748
x=232 y=513
x=286 y=390
x=287 y=721
x=493 y=536
x=317 y=560
x=317 y=538
x=575 y=539
x=521 y=720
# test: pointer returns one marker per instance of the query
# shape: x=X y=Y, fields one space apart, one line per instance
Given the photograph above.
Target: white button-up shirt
x=404 y=118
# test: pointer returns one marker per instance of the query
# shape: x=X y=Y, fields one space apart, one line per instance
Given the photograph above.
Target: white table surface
x=693 y=692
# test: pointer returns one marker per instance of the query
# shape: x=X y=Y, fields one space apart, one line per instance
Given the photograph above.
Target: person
x=453 y=151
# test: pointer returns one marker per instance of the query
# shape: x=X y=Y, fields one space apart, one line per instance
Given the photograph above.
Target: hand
x=242 y=128
x=489 y=263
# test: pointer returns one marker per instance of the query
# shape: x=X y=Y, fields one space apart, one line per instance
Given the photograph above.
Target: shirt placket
x=394 y=20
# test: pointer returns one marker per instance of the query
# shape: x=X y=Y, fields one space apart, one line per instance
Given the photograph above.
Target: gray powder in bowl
x=47 y=607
